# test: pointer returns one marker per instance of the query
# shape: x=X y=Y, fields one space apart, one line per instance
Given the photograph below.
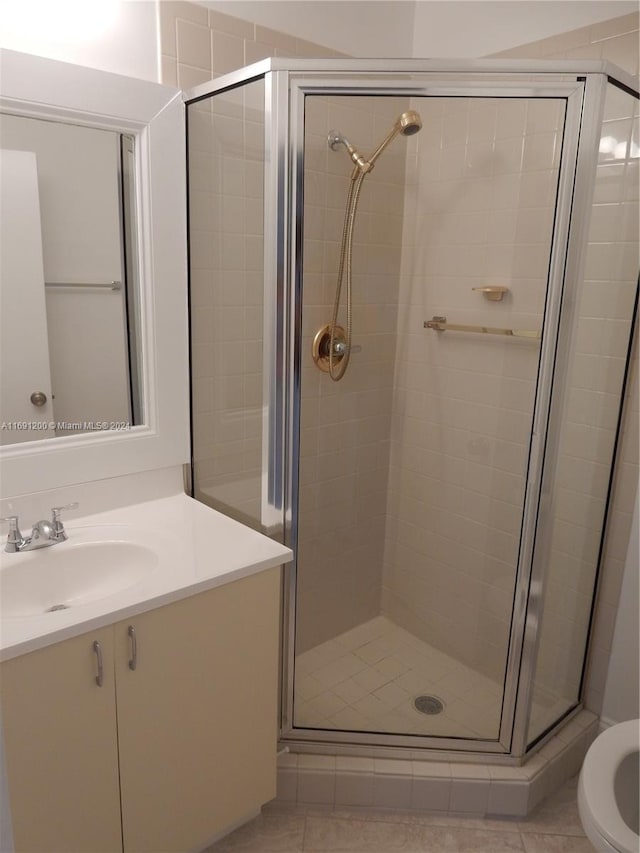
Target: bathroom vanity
x=146 y=719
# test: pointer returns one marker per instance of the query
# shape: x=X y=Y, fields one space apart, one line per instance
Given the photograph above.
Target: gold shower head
x=409 y=123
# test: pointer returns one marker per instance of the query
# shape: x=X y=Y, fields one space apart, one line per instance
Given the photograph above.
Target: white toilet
x=608 y=790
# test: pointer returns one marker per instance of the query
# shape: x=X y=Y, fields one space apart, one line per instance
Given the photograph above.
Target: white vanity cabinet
x=162 y=756
x=61 y=748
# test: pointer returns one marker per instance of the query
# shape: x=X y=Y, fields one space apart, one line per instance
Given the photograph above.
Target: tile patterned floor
x=553 y=828
x=367 y=679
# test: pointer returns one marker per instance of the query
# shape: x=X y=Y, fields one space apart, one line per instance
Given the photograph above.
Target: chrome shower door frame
x=526 y=612
x=573 y=233
x=596 y=87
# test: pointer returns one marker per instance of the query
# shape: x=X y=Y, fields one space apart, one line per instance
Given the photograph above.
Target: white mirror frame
x=154 y=114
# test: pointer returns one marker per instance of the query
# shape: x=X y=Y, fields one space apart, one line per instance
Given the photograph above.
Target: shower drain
x=428 y=704
x=57 y=607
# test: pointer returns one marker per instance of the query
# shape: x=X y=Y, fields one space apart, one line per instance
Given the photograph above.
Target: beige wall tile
x=170 y=12
x=193 y=12
x=227 y=52
x=615 y=27
x=193 y=44
x=565 y=41
x=622 y=50
x=462 y=534
x=283 y=42
x=586 y=51
x=254 y=51
x=312 y=50
x=188 y=76
x=231 y=25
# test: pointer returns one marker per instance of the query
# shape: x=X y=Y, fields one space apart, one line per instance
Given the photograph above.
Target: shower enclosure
x=413 y=295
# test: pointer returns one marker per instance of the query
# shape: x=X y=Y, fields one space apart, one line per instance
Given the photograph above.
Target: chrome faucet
x=43 y=535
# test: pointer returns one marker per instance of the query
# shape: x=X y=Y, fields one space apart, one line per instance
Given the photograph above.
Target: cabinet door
x=61 y=748
x=197 y=718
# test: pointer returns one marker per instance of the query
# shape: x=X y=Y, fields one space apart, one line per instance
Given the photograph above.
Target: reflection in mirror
x=69 y=295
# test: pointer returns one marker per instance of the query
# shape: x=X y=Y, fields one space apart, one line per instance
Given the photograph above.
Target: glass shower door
x=413 y=465
x=589 y=420
x=230 y=362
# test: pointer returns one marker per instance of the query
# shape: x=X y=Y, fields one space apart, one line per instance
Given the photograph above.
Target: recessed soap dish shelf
x=492 y=293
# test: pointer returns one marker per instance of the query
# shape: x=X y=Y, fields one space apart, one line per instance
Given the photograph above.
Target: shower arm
x=336 y=138
x=362 y=165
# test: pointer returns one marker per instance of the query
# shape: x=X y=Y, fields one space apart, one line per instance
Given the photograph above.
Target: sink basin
x=92 y=564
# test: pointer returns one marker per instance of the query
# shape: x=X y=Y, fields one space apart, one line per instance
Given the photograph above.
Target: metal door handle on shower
x=340 y=347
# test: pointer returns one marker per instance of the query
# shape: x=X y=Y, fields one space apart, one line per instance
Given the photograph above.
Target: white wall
x=381 y=28
x=494 y=25
x=120 y=36
x=425 y=28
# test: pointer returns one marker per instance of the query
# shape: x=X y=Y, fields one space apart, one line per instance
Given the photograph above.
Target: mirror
x=69 y=306
x=95 y=163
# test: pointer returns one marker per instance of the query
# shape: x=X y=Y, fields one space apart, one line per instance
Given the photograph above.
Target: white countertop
x=196 y=547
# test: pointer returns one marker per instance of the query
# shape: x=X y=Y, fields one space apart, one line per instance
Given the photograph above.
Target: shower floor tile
x=367 y=679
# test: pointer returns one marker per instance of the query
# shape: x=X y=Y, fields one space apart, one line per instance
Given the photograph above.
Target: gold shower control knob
x=321 y=344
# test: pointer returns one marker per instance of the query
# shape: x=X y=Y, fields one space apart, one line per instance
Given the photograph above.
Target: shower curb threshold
x=440 y=787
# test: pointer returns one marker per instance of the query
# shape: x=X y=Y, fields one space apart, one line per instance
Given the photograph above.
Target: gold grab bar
x=439 y=324
x=99 y=285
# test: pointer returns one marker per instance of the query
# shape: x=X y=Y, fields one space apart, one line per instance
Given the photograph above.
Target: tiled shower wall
x=482 y=213
x=199 y=44
x=613 y=253
x=615 y=40
x=226 y=150
x=344 y=442
x=463 y=601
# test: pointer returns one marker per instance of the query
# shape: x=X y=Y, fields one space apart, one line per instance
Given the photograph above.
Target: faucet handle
x=15 y=537
x=55 y=515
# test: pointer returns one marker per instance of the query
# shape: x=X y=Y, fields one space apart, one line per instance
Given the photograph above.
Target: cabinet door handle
x=97 y=648
x=133 y=660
